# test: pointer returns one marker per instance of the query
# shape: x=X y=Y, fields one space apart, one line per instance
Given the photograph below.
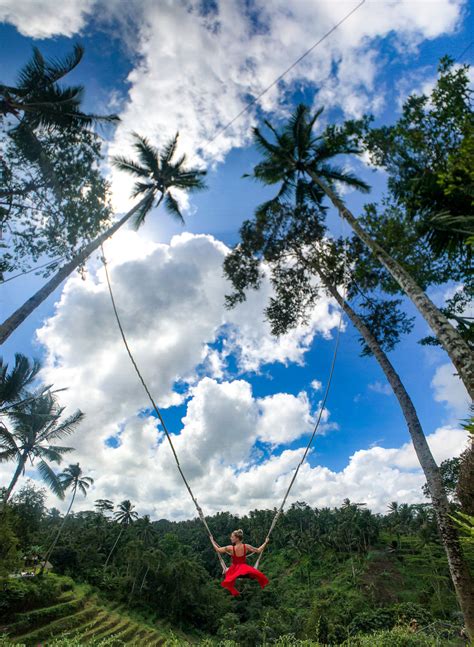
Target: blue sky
x=169 y=66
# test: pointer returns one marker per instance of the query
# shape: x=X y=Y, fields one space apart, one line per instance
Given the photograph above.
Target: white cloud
x=171 y=302
x=46 y=18
x=378 y=387
x=316 y=385
x=448 y=388
x=200 y=84
x=284 y=418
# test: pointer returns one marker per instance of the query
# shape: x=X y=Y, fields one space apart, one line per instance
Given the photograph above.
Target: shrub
x=397 y=637
x=24 y=594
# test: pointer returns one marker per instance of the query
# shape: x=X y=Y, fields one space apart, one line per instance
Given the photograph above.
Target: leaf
x=51 y=479
x=173 y=207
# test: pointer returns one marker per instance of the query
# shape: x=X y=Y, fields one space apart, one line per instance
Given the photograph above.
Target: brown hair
x=239 y=533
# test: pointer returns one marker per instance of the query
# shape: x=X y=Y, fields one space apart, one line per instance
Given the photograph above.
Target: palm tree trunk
x=16 y=476
x=58 y=534
x=113 y=547
x=24 y=311
x=144 y=579
x=452 y=342
x=458 y=567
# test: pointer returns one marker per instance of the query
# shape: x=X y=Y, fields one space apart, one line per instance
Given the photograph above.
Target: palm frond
x=53 y=453
x=190 y=180
x=38 y=72
x=51 y=479
x=172 y=207
x=332 y=173
x=7 y=439
x=8 y=455
x=141 y=213
x=129 y=166
x=66 y=428
x=147 y=154
x=169 y=150
x=262 y=142
x=33 y=73
x=21 y=376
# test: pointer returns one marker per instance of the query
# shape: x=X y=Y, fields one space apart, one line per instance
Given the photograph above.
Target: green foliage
x=428 y=154
x=158 y=175
x=449 y=470
x=23 y=594
x=398 y=637
x=54 y=222
x=388 y=617
x=9 y=554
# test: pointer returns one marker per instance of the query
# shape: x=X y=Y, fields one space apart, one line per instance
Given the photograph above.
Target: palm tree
x=35 y=429
x=71 y=477
x=157 y=175
x=276 y=239
x=38 y=102
x=300 y=162
x=458 y=566
x=14 y=384
x=144 y=530
x=104 y=505
x=125 y=515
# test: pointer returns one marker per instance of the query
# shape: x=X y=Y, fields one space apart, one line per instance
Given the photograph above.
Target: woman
x=239 y=568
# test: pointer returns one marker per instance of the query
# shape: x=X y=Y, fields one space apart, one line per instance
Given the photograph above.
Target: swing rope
x=154 y=405
x=279 y=512
x=157 y=411
x=168 y=436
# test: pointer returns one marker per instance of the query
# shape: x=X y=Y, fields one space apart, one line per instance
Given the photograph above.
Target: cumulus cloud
x=449 y=389
x=231 y=53
x=46 y=18
x=199 y=84
x=171 y=302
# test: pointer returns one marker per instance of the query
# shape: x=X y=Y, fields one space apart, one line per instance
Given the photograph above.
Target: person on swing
x=239 y=567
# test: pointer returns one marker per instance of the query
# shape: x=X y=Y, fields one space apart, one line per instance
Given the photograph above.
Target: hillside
x=75 y=611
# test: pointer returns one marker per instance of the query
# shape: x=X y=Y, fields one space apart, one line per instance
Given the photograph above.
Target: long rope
x=323 y=405
x=310 y=442
x=137 y=370
x=283 y=74
x=157 y=410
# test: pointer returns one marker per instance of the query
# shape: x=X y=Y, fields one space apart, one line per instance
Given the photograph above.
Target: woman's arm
x=260 y=549
x=219 y=549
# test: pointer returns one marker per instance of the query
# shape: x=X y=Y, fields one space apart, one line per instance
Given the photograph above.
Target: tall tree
x=157 y=175
x=39 y=102
x=70 y=478
x=45 y=227
x=302 y=163
x=14 y=384
x=125 y=515
x=428 y=154
x=104 y=505
x=35 y=429
x=291 y=242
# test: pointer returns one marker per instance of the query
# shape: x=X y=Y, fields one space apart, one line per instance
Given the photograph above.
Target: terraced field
x=81 y=615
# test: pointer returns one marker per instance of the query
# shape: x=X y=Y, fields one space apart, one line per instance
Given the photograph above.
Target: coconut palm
x=125 y=515
x=14 y=384
x=38 y=102
x=157 y=176
x=103 y=505
x=35 y=429
x=284 y=232
x=70 y=478
x=302 y=163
